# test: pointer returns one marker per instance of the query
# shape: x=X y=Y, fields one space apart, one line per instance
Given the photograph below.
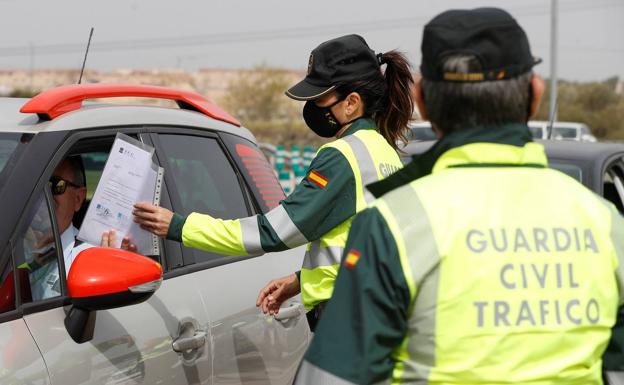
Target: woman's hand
x=273 y=295
x=154 y=219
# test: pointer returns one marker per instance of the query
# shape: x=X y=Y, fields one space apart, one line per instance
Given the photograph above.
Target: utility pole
x=553 y=60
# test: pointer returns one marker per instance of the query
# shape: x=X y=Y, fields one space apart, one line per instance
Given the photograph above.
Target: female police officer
x=348 y=97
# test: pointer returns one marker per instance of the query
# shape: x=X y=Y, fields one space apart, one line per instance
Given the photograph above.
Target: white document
x=129 y=176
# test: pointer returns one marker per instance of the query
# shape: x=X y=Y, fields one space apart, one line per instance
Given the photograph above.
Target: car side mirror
x=105 y=278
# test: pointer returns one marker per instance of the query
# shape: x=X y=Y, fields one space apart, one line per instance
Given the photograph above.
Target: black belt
x=314 y=315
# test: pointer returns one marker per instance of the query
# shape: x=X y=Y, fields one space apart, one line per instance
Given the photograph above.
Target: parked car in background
x=561 y=131
x=539 y=130
x=201 y=326
x=420 y=131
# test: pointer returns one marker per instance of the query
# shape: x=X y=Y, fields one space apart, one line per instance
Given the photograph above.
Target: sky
x=193 y=34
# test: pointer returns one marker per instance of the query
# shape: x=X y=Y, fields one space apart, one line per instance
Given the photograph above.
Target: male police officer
x=477 y=273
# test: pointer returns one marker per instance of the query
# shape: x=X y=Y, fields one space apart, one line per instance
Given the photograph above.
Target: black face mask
x=321 y=119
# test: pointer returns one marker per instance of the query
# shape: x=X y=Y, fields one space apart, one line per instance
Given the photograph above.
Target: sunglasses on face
x=58 y=185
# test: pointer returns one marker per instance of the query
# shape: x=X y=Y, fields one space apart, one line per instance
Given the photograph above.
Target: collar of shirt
x=68 y=241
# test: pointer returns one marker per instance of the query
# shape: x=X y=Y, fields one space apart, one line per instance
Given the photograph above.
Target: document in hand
x=129 y=176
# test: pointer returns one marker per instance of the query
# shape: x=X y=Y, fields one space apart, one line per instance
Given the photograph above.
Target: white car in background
x=579 y=132
x=422 y=131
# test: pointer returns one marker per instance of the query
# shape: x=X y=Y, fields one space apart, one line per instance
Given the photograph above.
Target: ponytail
x=398 y=104
x=387 y=96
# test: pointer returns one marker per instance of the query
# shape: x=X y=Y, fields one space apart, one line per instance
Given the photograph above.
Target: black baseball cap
x=341 y=60
x=490 y=34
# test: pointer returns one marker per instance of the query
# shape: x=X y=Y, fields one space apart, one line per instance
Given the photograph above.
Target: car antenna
x=84 y=61
x=551 y=123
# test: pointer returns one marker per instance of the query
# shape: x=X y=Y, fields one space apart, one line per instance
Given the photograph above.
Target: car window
x=613 y=188
x=421 y=132
x=204 y=178
x=93 y=165
x=569 y=169
x=564 y=132
x=257 y=172
x=36 y=256
x=205 y=182
x=537 y=132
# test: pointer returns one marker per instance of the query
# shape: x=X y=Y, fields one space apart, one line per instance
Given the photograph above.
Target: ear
x=354 y=104
x=419 y=97
x=81 y=195
x=537 y=87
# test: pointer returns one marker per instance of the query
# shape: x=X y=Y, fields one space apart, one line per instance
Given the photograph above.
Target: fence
x=291 y=166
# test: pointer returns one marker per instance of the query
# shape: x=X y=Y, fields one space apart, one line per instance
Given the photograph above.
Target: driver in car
x=69 y=191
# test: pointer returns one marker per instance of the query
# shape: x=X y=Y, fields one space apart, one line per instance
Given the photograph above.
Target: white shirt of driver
x=44 y=282
x=68 y=240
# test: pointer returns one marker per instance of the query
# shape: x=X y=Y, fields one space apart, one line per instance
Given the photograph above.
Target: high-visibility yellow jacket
x=493 y=269
x=318 y=212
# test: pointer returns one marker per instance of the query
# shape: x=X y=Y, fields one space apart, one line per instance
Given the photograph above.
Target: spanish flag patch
x=317 y=179
x=351 y=259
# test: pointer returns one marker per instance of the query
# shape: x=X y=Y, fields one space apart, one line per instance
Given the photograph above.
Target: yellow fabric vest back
x=371 y=158
x=511 y=271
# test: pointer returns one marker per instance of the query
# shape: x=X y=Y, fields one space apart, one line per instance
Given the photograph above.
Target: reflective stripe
x=251 y=235
x=368 y=171
x=318 y=256
x=309 y=374
x=284 y=227
x=417 y=234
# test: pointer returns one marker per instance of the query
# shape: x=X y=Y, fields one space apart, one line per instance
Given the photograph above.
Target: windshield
x=9 y=143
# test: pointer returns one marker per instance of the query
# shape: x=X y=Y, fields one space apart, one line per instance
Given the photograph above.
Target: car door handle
x=189 y=343
x=286 y=313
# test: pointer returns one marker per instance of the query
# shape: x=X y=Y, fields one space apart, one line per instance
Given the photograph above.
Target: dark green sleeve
x=366 y=318
x=314 y=209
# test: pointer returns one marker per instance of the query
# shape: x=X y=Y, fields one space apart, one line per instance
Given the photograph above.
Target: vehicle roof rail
x=55 y=102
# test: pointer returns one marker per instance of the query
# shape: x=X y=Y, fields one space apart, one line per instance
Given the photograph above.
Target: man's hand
x=273 y=295
x=154 y=219
x=109 y=239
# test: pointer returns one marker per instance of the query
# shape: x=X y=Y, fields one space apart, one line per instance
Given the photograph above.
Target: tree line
x=257 y=99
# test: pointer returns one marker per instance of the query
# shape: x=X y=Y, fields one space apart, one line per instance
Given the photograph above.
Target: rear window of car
x=257 y=172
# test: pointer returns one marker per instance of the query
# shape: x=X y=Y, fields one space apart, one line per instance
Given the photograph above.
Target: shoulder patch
x=317 y=179
x=352 y=259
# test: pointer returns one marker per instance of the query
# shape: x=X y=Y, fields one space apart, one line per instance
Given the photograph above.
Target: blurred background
x=244 y=54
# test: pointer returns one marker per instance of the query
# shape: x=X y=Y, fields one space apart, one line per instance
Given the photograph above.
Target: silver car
x=201 y=325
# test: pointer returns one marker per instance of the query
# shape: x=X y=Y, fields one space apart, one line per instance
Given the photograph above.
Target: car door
x=20 y=360
x=249 y=347
x=132 y=344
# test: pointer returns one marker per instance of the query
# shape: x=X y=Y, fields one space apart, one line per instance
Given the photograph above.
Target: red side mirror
x=103 y=278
